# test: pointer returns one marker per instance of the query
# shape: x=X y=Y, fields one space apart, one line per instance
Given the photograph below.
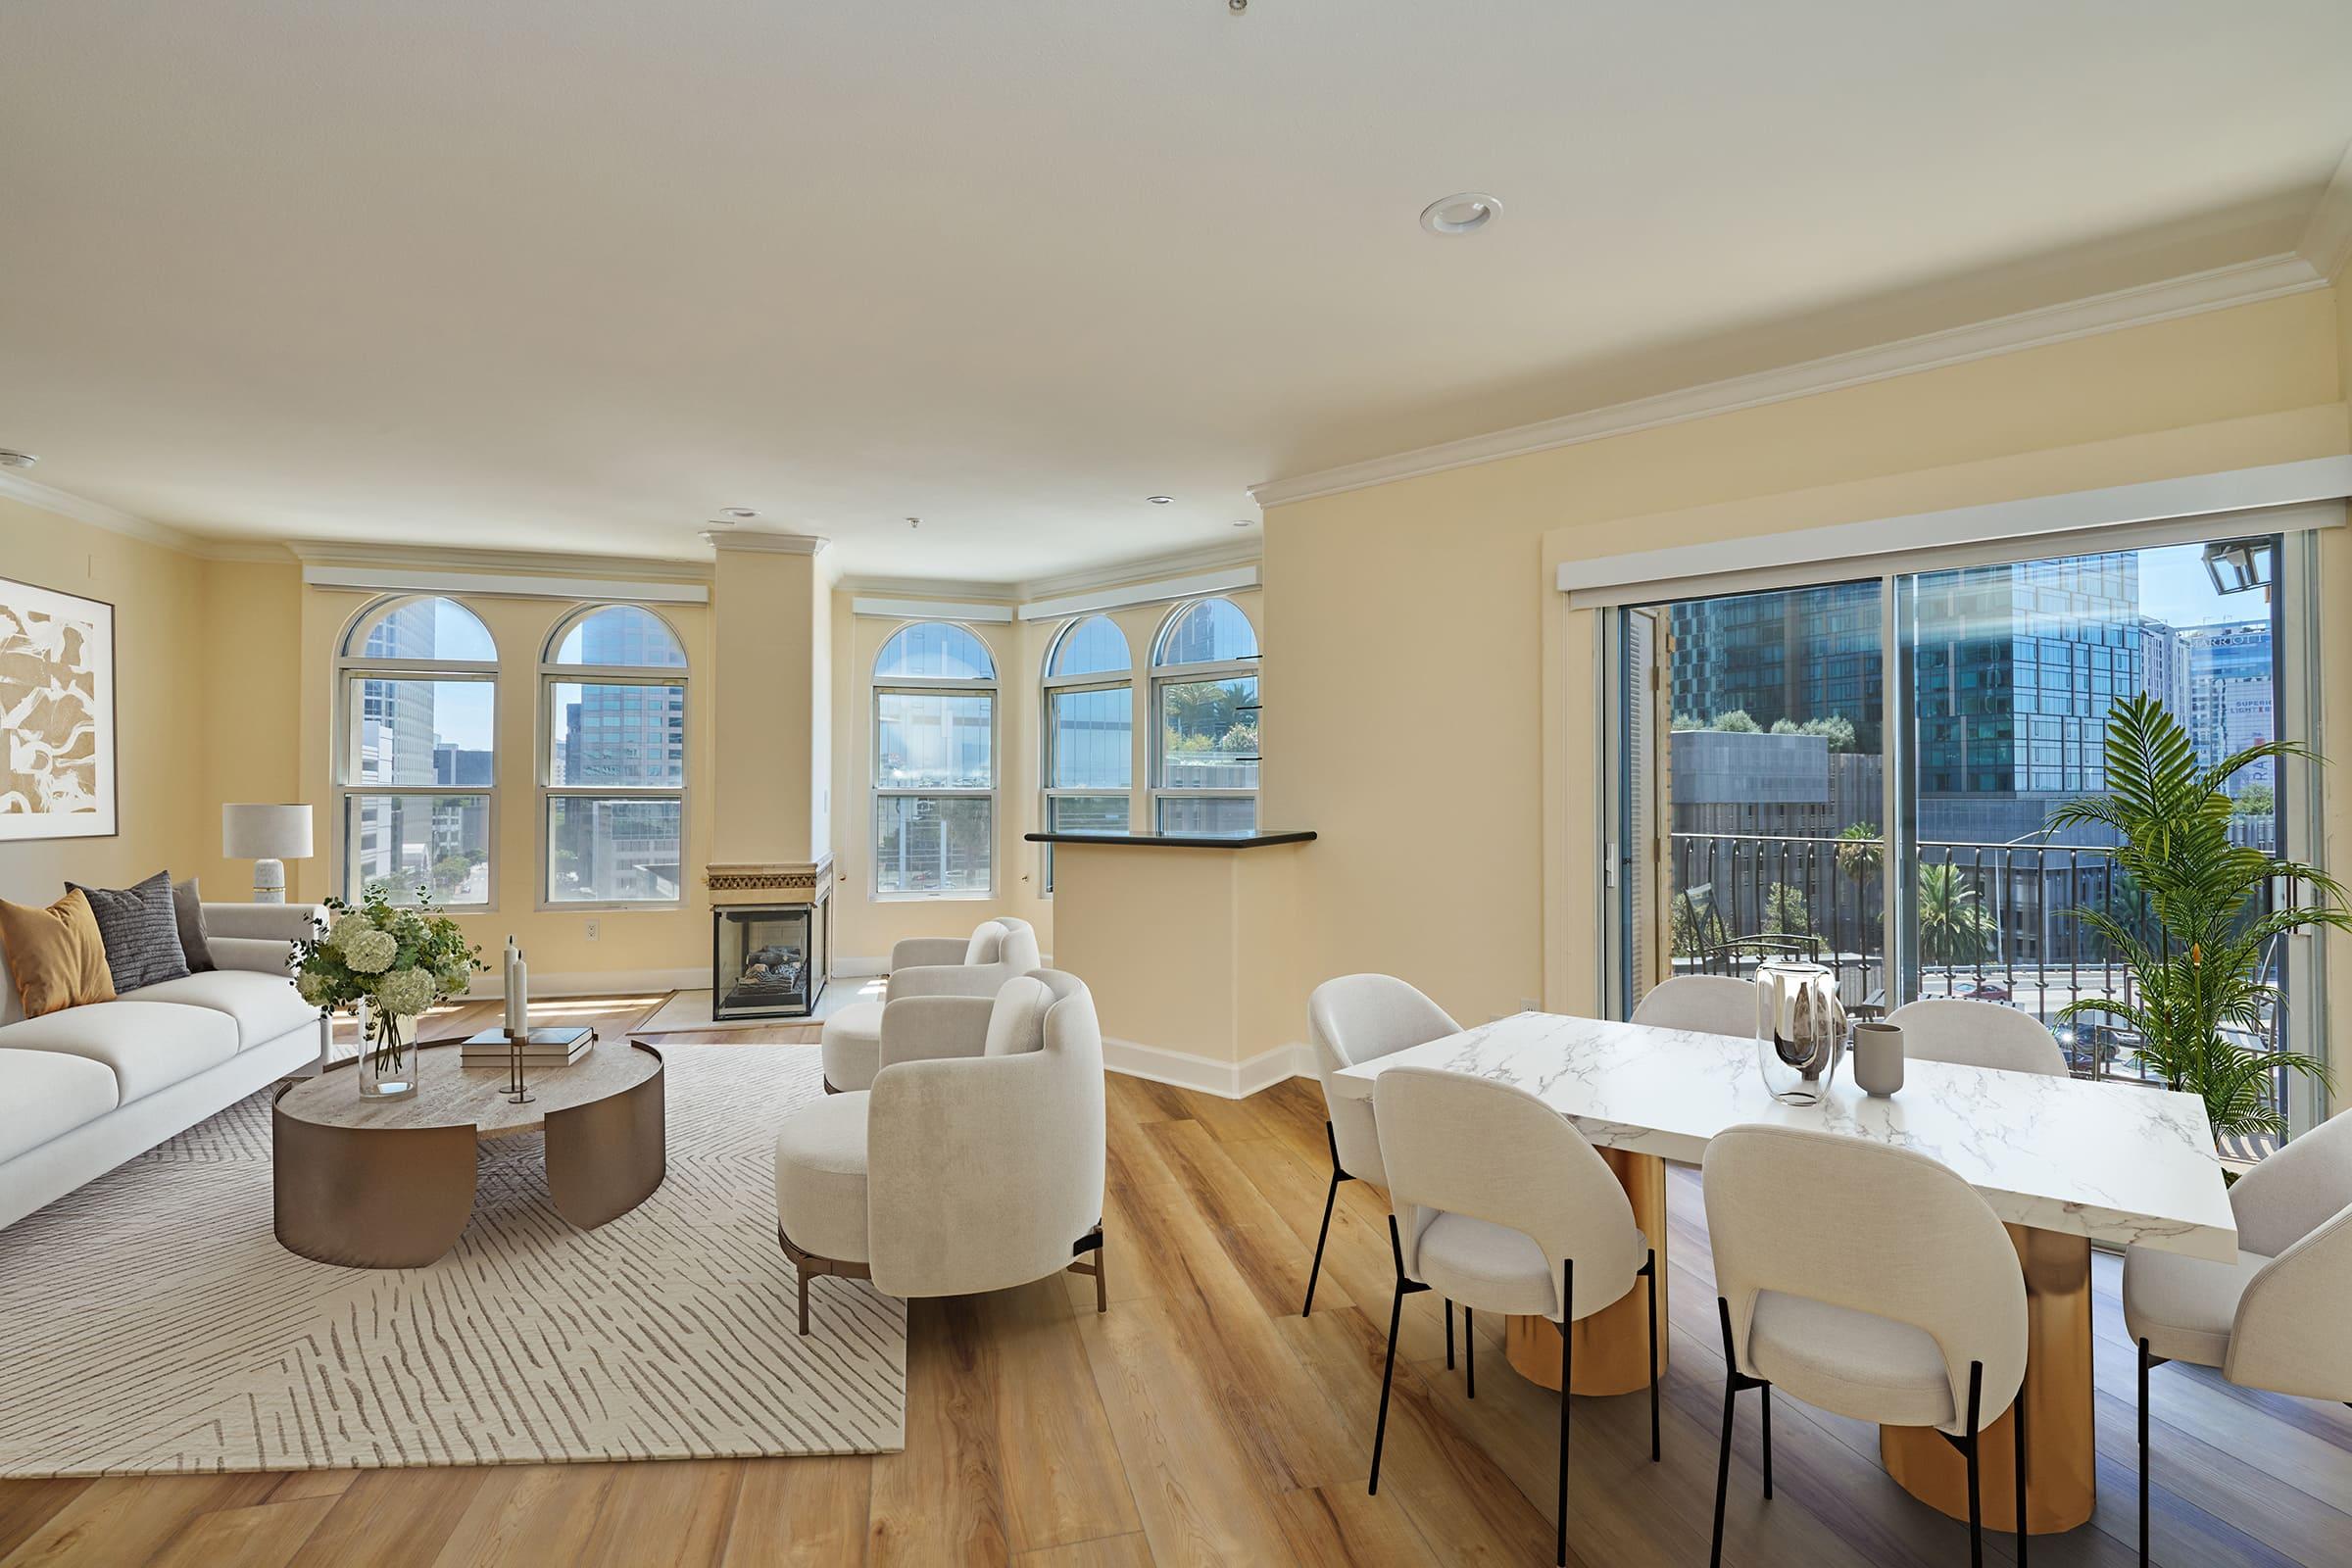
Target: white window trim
x=1186 y=674
x=877 y=792
x=553 y=674
x=353 y=667
x=1092 y=681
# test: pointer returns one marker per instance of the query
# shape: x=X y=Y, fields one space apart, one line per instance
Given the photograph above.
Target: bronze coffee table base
x=391 y=1186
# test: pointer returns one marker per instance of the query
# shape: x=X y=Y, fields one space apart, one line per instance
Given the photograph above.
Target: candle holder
x=518 y=1093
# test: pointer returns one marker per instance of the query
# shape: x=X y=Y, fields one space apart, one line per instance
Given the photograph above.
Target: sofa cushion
x=56 y=957
x=263 y=1006
x=141 y=928
x=149 y=1045
x=187 y=912
x=49 y=1093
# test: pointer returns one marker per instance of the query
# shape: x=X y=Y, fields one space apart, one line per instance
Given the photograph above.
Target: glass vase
x=1800 y=1030
x=387 y=1064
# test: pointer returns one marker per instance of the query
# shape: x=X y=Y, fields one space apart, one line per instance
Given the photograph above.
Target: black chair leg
x=2143 y=1453
x=1651 y=1269
x=1450 y=1333
x=1470 y=1351
x=1766 y=1395
x=1331 y=1197
x=1387 y=1376
x=1734 y=1382
x=1567 y=1380
x=2019 y=1412
x=1976 y=1491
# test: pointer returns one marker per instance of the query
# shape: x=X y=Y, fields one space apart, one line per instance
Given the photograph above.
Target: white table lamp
x=268 y=836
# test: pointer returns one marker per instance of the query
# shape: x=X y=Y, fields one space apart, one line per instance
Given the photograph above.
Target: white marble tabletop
x=2116 y=1163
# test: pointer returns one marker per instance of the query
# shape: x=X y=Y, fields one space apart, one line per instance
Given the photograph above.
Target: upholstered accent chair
x=1978 y=1034
x=974 y=1164
x=1702 y=1003
x=1904 y=1307
x=1351 y=1020
x=925 y=966
x=2274 y=1319
x=1497 y=1200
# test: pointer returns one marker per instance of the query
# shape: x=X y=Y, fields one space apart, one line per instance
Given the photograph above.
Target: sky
x=2173 y=588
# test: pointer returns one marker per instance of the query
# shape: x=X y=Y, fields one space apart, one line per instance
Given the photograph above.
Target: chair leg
x=1450 y=1333
x=1470 y=1351
x=2144 y=1453
x=1764 y=1392
x=1976 y=1491
x=1567 y=1381
x=1331 y=1197
x=1102 y=1280
x=1650 y=1268
x=1387 y=1376
x=1734 y=1382
x=803 y=1279
x=2018 y=1433
x=1723 y=1464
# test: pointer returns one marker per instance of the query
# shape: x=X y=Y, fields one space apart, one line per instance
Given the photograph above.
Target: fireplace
x=768 y=960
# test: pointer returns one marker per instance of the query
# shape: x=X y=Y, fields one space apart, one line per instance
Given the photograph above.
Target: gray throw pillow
x=187 y=910
x=140 y=930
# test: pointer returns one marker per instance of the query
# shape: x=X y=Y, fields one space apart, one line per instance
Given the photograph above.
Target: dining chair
x=1703 y=1004
x=1497 y=1200
x=1351 y=1020
x=1903 y=1307
x=1978 y=1034
x=2274 y=1319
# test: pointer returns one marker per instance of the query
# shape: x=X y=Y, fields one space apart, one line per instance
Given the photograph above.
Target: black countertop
x=1180 y=840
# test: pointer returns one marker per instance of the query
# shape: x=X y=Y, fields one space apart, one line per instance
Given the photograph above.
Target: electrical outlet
x=592 y=925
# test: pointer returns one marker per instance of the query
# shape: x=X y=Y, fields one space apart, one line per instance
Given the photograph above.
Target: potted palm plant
x=2200 y=990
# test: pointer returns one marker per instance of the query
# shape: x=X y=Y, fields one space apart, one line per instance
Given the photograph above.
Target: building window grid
x=1080 y=663
x=935 y=837
x=1187 y=657
x=612 y=789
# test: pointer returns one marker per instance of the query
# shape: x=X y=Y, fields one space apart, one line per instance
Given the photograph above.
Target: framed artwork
x=57 y=715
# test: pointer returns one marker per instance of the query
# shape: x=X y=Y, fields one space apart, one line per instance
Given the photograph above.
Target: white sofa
x=87 y=1088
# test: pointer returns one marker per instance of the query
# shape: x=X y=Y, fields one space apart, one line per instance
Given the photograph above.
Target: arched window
x=1205 y=714
x=416 y=776
x=935 y=763
x=612 y=759
x=1090 y=731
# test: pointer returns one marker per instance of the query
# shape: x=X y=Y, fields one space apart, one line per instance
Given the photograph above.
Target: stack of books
x=557 y=1046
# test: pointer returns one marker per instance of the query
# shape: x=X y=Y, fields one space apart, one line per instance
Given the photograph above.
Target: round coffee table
x=389 y=1183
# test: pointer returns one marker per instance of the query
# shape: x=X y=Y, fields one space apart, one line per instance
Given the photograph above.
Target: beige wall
x=158 y=595
x=1436 y=719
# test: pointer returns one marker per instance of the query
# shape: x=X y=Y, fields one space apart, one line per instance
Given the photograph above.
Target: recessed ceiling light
x=1160 y=501
x=1243 y=523
x=741 y=513
x=1464 y=214
x=16 y=460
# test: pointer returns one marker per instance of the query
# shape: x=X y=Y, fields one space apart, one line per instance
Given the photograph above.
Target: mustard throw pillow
x=55 y=954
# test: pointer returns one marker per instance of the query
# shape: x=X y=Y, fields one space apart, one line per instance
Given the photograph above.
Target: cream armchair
x=996 y=951
x=2274 y=1319
x=974 y=1164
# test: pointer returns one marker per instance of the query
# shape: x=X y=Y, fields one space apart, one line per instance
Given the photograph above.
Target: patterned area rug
x=150 y=1323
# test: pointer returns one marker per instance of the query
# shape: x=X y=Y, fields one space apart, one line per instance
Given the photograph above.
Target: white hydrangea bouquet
x=386 y=965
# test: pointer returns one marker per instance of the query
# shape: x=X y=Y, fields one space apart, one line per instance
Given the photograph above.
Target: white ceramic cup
x=1879 y=1057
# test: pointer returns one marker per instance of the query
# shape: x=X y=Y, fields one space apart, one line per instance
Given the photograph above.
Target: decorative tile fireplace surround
x=770 y=938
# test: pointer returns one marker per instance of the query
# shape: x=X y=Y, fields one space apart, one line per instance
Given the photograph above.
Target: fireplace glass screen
x=768 y=962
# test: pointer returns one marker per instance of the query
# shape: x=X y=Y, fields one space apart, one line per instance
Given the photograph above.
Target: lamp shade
x=266 y=832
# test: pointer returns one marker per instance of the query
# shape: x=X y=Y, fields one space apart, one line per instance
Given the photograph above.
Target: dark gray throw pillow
x=187 y=910
x=142 y=932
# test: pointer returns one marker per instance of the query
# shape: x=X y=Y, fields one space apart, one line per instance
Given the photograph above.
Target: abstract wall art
x=57 y=714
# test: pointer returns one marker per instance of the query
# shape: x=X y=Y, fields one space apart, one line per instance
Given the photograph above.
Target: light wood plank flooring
x=1203 y=1421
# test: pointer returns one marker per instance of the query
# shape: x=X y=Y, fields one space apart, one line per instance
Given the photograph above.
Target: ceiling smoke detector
x=1243 y=523
x=741 y=513
x=1463 y=214
x=16 y=460
x=1160 y=501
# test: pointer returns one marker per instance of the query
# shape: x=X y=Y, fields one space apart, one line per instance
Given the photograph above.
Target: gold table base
x=1612 y=1346
x=2061 y=1449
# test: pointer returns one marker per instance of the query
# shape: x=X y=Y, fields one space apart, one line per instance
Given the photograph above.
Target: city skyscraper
x=2232 y=694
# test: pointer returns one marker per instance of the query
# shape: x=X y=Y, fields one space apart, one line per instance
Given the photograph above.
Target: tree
x=1860 y=854
x=2255 y=800
x=1784 y=911
x=1836 y=728
x=1736 y=723
x=1954 y=926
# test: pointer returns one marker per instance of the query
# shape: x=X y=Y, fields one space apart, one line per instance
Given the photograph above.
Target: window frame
x=1050 y=686
x=553 y=674
x=353 y=667
x=877 y=792
x=1250 y=666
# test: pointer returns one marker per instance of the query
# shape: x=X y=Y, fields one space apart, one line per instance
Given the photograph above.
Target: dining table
x=2064 y=1163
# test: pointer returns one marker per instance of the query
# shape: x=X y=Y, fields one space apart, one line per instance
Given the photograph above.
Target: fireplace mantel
x=770 y=881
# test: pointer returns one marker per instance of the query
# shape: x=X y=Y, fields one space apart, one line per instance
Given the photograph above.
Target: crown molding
x=32 y=493
x=256 y=552
x=348 y=552
x=929 y=588
x=2326 y=242
x=1118 y=574
x=2245 y=283
x=765 y=543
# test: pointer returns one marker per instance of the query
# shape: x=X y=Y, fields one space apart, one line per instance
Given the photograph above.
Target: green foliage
x=1954 y=926
x=1860 y=854
x=2255 y=800
x=1736 y=722
x=1784 y=911
x=2198 y=996
x=400 y=961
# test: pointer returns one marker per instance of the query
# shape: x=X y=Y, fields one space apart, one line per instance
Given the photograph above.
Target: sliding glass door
x=1778 y=793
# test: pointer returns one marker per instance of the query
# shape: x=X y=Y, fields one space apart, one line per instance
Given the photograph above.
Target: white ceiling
x=576 y=274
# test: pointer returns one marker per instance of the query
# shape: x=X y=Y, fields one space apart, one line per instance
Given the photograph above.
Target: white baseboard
x=1227 y=1080
x=597 y=983
x=859 y=968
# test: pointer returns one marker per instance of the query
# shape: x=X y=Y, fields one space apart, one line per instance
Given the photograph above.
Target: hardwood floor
x=1201 y=1420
